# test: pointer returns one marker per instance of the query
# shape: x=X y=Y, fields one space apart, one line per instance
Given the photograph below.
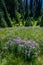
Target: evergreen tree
x=35 y=8
x=6 y=14
x=12 y=7
x=31 y=8
x=26 y=9
x=38 y=6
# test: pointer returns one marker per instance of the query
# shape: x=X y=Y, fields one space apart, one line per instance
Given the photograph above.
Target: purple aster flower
x=18 y=40
x=27 y=42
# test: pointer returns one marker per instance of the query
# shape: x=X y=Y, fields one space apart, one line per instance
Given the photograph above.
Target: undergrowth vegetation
x=21 y=46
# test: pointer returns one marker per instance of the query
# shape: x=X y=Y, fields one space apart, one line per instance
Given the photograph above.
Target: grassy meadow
x=30 y=33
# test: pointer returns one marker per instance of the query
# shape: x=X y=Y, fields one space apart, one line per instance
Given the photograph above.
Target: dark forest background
x=21 y=13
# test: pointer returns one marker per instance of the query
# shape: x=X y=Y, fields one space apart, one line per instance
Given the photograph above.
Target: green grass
x=34 y=33
x=29 y=33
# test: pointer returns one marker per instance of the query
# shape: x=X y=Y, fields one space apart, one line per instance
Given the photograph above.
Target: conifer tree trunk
x=31 y=8
x=26 y=9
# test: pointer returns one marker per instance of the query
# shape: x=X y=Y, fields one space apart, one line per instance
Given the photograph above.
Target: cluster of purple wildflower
x=23 y=47
x=18 y=40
